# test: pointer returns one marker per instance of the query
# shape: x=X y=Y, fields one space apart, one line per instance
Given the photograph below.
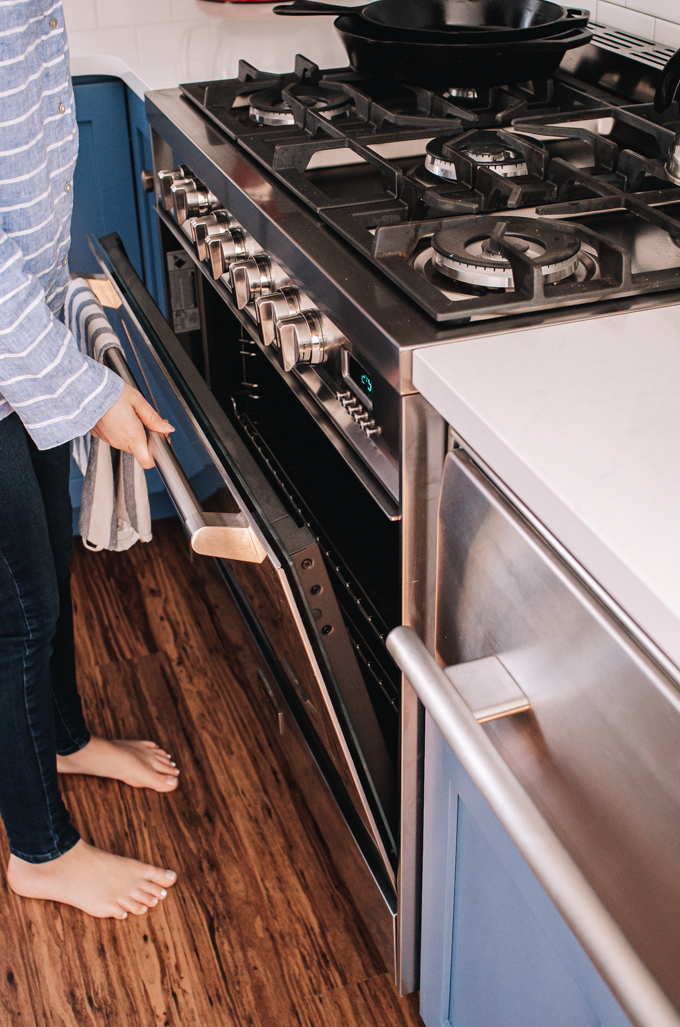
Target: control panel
x=301 y=338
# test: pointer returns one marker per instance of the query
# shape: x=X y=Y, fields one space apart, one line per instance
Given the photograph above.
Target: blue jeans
x=40 y=709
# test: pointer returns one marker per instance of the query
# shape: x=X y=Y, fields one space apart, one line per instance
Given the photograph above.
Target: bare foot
x=97 y=882
x=140 y=764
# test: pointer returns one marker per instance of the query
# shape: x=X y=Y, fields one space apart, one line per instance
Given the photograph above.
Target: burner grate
x=387 y=165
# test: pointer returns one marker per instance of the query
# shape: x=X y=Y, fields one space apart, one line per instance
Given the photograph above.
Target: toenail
x=170 y=780
x=124 y=916
x=163 y=893
x=170 y=874
x=154 y=902
x=144 y=909
x=174 y=764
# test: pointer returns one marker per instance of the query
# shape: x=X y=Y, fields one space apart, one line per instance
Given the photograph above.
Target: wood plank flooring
x=259 y=931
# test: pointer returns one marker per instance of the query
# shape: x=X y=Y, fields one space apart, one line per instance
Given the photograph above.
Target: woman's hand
x=122 y=426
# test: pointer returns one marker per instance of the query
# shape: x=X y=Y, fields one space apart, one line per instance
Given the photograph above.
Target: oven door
x=310 y=680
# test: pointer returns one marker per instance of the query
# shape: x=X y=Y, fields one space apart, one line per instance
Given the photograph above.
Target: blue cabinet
x=495 y=950
x=104 y=198
x=114 y=148
x=140 y=143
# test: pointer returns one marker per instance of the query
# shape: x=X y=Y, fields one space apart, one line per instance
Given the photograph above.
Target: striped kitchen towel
x=114 y=509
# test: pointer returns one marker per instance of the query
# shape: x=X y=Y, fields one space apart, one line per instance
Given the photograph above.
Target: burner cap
x=470 y=251
x=271 y=107
x=484 y=148
x=461 y=93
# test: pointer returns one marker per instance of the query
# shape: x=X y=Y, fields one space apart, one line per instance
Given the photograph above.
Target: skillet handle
x=668 y=84
x=308 y=7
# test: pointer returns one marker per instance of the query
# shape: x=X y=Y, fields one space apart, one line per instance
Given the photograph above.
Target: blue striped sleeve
x=58 y=392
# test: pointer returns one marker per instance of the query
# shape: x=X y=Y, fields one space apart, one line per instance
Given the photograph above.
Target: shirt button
x=67 y=187
x=62 y=108
x=64 y=262
x=54 y=23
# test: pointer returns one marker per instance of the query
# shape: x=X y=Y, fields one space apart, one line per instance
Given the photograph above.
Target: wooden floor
x=258 y=930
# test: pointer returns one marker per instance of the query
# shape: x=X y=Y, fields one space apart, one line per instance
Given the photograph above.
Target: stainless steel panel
x=599 y=751
x=618 y=61
x=363 y=878
x=621 y=967
x=423 y=444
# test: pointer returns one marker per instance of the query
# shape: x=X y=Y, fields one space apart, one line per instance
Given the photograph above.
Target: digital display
x=360 y=377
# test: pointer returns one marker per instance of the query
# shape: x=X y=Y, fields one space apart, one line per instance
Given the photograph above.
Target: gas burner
x=461 y=93
x=271 y=106
x=482 y=148
x=472 y=250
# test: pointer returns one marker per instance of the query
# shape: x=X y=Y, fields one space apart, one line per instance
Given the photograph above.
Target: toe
x=133 y=906
x=153 y=891
x=167 y=784
x=146 y=898
x=160 y=760
x=163 y=878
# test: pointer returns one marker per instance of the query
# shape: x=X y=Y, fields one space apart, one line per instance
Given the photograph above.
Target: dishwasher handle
x=623 y=970
x=225 y=535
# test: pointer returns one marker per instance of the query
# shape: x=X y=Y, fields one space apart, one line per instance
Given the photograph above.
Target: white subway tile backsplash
x=667 y=33
x=79 y=15
x=131 y=12
x=588 y=5
x=120 y=42
x=625 y=19
x=165 y=40
x=184 y=10
x=668 y=9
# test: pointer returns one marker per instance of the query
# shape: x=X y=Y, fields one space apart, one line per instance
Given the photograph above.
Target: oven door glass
x=292 y=591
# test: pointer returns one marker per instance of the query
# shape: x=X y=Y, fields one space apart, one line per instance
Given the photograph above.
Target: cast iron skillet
x=479 y=63
x=436 y=20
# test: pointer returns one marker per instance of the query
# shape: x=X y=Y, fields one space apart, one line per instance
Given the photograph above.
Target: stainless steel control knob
x=191 y=198
x=256 y=276
x=166 y=179
x=276 y=307
x=306 y=338
x=225 y=249
x=209 y=226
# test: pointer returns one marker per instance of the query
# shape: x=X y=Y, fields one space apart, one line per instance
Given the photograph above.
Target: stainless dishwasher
x=568 y=725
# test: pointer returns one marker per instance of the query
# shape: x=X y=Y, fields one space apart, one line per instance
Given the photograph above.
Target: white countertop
x=582 y=422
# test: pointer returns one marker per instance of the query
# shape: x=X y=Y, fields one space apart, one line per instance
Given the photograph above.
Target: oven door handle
x=618 y=962
x=225 y=535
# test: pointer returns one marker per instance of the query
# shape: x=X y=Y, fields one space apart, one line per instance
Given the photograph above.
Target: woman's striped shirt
x=57 y=391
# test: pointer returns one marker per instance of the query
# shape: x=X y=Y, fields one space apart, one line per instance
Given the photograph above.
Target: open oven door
x=310 y=682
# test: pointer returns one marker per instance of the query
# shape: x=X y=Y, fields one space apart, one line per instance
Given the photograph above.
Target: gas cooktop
x=476 y=203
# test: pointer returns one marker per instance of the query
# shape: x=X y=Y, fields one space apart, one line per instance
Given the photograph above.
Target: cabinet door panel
x=495 y=950
x=505 y=971
x=103 y=187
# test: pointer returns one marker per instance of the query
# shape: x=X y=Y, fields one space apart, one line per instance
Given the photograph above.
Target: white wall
x=168 y=41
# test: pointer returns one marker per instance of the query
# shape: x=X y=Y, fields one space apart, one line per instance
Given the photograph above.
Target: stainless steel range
x=317 y=227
